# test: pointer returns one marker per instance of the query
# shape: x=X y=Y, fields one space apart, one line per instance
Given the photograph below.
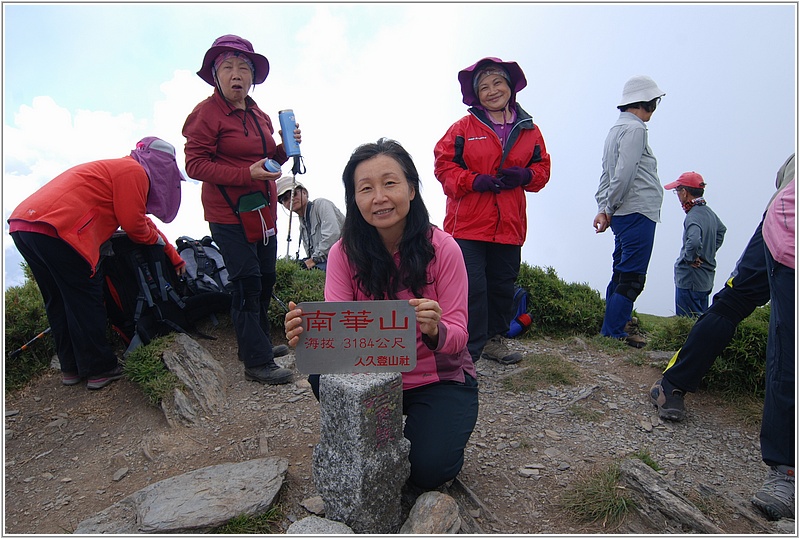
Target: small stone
x=119 y=474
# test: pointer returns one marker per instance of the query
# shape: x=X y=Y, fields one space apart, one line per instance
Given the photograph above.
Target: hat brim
x=518 y=80
x=260 y=63
x=672 y=185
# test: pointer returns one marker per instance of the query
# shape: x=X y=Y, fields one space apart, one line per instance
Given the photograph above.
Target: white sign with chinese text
x=357 y=336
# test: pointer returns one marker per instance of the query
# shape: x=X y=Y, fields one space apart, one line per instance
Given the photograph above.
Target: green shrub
x=293 y=284
x=145 y=367
x=559 y=308
x=597 y=497
x=25 y=318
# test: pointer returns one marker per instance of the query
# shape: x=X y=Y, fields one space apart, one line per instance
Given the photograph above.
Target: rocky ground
x=70 y=452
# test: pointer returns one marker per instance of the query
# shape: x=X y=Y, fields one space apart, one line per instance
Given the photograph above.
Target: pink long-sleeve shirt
x=450 y=359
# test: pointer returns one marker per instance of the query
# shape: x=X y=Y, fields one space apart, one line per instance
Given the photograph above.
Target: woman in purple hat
x=60 y=229
x=228 y=139
x=487 y=162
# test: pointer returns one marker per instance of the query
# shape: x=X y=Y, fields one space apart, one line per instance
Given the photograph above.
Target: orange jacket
x=471 y=147
x=87 y=203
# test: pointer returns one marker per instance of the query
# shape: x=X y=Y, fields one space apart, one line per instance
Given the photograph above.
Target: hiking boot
x=632 y=326
x=71 y=378
x=637 y=341
x=776 y=497
x=102 y=380
x=669 y=400
x=496 y=349
x=268 y=374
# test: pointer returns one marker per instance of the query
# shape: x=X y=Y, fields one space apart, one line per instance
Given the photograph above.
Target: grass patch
x=263 y=523
x=598 y=498
x=543 y=370
x=644 y=456
x=145 y=367
x=585 y=414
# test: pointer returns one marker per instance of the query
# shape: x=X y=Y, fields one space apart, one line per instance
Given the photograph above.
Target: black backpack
x=205 y=267
x=141 y=294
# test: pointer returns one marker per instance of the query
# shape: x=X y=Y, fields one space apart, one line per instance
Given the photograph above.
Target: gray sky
x=85 y=82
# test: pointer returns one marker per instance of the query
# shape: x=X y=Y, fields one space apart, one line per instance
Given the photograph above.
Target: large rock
x=203 y=382
x=196 y=501
x=433 y=513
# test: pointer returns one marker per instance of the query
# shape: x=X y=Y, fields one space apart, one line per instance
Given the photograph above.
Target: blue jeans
x=777 y=423
x=251 y=270
x=690 y=302
x=634 y=235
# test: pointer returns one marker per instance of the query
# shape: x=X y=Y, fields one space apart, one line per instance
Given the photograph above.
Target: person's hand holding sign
x=293 y=324
x=428 y=315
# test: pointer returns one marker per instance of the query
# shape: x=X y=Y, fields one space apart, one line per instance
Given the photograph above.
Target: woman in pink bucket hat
x=60 y=230
x=487 y=162
x=228 y=140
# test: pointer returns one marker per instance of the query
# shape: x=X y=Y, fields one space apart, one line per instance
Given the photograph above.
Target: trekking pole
x=292 y=148
x=282 y=304
x=27 y=345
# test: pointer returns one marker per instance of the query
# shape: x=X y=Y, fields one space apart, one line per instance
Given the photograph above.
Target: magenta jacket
x=448 y=277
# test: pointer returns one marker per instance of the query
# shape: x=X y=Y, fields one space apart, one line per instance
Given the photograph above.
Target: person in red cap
x=59 y=231
x=228 y=139
x=703 y=233
x=487 y=162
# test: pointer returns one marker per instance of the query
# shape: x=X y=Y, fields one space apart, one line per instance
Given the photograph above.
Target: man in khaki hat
x=703 y=233
x=320 y=221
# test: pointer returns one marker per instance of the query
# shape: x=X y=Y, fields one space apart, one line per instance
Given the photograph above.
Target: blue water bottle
x=288 y=125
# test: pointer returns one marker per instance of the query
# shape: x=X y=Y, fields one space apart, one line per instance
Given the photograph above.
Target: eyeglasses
x=283 y=199
x=677 y=190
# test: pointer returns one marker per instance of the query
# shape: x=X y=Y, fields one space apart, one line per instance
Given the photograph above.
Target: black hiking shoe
x=280 y=350
x=268 y=374
x=496 y=349
x=669 y=400
x=102 y=380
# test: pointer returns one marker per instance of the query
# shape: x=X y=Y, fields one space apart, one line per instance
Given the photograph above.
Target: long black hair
x=376 y=272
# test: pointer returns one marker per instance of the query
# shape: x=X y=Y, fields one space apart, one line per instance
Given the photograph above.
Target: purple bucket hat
x=238 y=44
x=515 y=74
x=157 y=158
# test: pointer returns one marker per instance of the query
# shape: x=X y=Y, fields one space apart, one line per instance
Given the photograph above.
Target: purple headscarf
x=157 y=157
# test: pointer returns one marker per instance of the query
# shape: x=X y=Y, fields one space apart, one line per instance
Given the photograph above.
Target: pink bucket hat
x=516 y=78
x=157 y=158
x=236 y=44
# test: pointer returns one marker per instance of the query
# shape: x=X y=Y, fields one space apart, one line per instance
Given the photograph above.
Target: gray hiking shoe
x=669 y=400
x=776 y=497
x=496 y=349
x=268 y=374
x=100 y=381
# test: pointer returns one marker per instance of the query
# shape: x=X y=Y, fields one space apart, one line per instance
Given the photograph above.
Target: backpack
x=205 y=267
x=141 y=294
x=521 y=318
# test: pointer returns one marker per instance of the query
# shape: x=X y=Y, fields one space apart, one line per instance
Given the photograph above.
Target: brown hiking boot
x=632 y=326
x=637 y=341
x=496 y=349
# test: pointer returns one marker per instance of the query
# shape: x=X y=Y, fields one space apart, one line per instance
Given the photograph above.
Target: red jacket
x=472 y=147
x=87 y=203
x=221 y=144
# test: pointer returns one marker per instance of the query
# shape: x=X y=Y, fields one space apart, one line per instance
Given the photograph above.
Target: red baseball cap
x=687 y=179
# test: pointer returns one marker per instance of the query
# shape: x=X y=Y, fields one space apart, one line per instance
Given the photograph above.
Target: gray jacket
x=703 y=233
x=629 y=182
x=320 y=228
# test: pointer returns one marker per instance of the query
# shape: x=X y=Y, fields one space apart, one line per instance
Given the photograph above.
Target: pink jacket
x=448 y=277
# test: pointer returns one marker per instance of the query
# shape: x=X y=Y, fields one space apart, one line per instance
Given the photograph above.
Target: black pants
x=251 y=270
x=746 y=289
x=73 y=300
x=492 y=270
x=440 y=418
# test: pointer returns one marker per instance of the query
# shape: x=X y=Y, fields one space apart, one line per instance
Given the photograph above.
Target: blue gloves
x=512 y=177
x=484 y=182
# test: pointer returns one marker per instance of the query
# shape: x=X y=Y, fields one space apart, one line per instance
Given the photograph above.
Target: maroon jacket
x=221 y=144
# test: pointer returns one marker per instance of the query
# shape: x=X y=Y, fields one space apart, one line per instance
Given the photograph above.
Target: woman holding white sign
x=390 y=250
